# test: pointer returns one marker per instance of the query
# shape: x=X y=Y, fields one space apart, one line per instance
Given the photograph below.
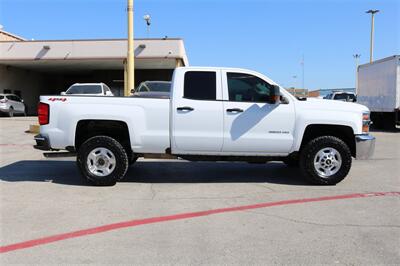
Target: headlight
x=366 y=122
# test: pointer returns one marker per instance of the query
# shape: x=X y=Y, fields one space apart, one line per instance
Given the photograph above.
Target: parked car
x=153 y=89
x=11 y=104
x=213 y=114
x=94 y=89
x=342 y=96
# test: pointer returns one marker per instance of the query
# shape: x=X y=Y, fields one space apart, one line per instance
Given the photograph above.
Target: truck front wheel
x=102 y=161
x=325 y=160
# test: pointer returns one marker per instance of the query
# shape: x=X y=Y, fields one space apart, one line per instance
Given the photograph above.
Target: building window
x=200 y=85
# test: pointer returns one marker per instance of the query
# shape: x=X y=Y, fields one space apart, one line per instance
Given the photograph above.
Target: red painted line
x=153 y=220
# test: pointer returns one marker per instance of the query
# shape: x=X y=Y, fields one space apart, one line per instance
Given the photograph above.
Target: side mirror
x=283 y=100
x=109 y=93
x=63 y=93
x=22 y=100
x=275 y=95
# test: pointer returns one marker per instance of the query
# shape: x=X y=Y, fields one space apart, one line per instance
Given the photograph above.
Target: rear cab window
x=200 y=85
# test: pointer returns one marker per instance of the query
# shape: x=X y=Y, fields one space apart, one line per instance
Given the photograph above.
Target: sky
x=269 y=36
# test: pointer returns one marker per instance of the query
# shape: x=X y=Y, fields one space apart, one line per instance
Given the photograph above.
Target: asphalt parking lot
x=53 y=216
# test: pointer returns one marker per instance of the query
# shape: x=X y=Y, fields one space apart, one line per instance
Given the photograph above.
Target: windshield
x=154 y=86
x=84 y=89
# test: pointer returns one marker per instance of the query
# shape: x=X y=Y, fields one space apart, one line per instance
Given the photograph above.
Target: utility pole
x=294 y=81
x=356 y=58
x=131 y=53
x=302 y=71
x=371 y=51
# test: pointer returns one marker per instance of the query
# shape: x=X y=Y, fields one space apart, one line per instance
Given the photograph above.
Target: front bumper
x=365 y=146
x=42 y=143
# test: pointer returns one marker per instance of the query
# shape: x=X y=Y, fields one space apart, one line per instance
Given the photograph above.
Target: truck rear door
x=196 y=110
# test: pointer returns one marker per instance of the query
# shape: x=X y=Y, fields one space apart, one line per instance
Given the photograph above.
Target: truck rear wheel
x=102 y=161
x=325 y=160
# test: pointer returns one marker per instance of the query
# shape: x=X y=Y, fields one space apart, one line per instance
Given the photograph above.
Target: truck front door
x=251 y=124
x=197 y=114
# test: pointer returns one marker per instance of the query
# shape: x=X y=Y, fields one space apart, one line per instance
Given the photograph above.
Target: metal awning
x=81 y=55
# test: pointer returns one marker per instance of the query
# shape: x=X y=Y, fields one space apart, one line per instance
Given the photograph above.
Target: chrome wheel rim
x=101 y=162
x=327 y=162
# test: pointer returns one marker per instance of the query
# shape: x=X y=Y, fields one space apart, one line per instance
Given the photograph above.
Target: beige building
x=33 y=68
x=6 y=36
x=298 y=92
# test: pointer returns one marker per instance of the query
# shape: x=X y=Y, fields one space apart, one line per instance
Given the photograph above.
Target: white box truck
x=379 y=90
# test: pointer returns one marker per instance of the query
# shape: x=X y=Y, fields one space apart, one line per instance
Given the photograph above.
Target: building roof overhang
x=92 y=54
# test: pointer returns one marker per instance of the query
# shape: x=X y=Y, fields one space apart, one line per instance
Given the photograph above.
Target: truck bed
x=147 y=117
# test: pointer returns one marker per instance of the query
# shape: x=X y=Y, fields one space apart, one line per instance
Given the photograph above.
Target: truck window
x=341 y=96
x=200 y=85
x=84 y=89
x=248 y=88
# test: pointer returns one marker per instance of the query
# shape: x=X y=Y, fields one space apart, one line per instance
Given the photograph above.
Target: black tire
x=309 y=152
x=11 y=112
x=121 y=160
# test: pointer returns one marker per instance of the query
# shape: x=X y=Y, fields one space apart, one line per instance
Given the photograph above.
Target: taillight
x=3 y=100
x=43 y=113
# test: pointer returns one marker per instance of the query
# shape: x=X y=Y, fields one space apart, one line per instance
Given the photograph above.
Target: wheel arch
x=343 y=132
x=115 y=129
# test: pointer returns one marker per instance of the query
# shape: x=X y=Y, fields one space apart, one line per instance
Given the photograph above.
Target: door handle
x=185 y=108
x=235 y=110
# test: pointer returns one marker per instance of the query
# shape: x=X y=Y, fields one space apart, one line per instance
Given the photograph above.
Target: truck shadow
x=66 y=173
x=392 y=130
x=249 y=119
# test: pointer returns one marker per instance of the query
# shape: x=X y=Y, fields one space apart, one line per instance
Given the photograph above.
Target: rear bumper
x=42 y=143
x=365 y=146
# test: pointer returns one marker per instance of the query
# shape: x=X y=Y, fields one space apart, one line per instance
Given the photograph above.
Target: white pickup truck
x=214 y=114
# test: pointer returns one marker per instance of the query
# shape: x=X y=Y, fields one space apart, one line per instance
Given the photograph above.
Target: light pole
x=295 y=81
x=356 y=58
x=130 y=71
x=302 y=72
x=148 y=23
x=371 y=51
